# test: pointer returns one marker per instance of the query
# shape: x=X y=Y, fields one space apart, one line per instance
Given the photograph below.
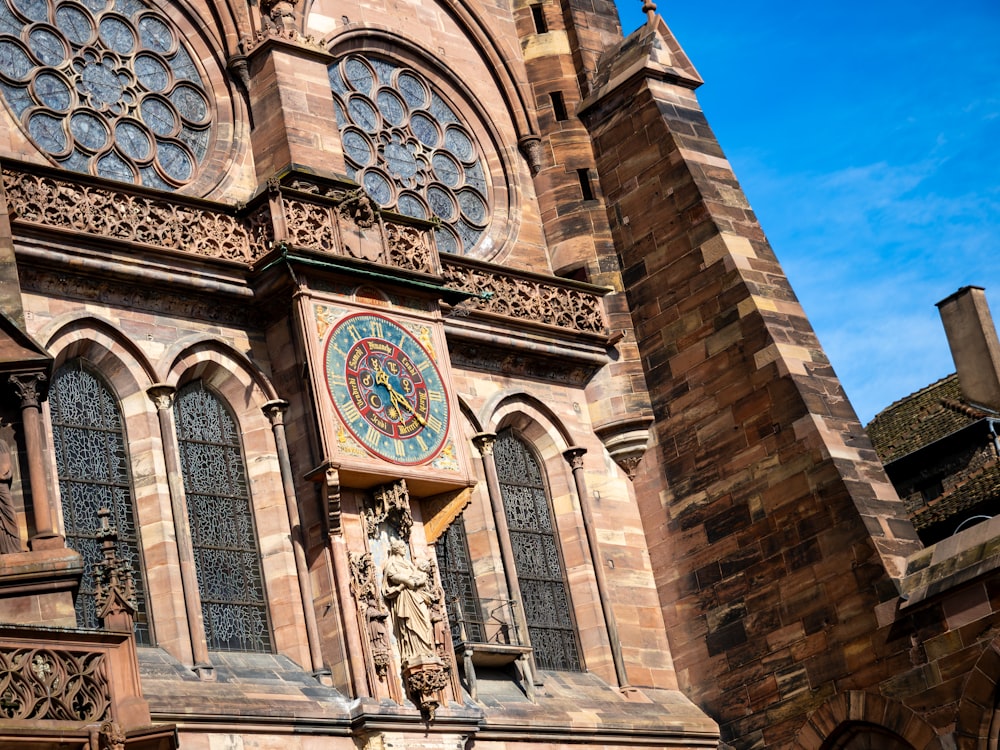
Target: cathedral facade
x=416 y=375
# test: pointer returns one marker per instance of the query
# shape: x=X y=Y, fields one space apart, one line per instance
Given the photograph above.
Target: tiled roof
x=919 y=419
x=981 y=488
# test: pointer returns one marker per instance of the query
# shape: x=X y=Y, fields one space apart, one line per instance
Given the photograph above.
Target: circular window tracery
x=410 y=150
x=105 y=87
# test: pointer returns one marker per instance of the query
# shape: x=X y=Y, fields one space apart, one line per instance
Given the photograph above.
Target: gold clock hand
x=395 y=398
x=398 y=400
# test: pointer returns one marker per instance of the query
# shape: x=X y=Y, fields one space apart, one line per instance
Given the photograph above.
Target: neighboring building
x=442 y=391
x=939 y=445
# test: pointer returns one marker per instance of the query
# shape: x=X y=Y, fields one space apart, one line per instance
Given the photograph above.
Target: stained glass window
x=410 y=150
x=93 y=469
x=536 y=554
x=457 y=579
x=223 y=535
x=106 y=87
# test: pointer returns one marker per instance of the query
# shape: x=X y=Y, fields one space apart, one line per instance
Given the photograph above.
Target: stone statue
x=10 y=538
x=407 y=590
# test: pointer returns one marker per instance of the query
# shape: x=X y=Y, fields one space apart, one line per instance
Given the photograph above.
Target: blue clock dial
x=386 y=389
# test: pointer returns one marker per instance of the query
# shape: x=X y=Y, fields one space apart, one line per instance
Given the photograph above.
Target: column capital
x=484 y=442
x=31 y=388
x=275 y=411
x=574 y=456
x=162 y=394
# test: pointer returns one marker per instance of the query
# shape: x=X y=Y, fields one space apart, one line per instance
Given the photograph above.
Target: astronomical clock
x=384 y=383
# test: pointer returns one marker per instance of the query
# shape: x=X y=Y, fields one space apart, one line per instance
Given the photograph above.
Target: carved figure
x=278 y=15
x=406 y=588
x=10 y=538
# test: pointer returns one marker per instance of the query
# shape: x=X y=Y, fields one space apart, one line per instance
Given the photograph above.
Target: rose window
x=410 y=150
x=105 y=87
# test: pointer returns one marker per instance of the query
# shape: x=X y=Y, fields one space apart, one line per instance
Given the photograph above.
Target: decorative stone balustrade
x=298 y=212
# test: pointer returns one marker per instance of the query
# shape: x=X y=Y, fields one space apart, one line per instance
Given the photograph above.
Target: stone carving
x=536 y=300
x=112 y=736
x=425 y=679
x=125 y=216
x=10 y=535
x=408 y=247
x=53 y=684
x=358 y=209
x=279 y=15
x=373 y=614
x=530 y=147
x=66 y=285
x=211 y=232
x=114 y=585
x=311 y=225
x=438 y=609
x=408 y=591
x=389 y=503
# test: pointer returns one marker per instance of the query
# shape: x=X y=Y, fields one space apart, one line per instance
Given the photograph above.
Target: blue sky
x=867 y=139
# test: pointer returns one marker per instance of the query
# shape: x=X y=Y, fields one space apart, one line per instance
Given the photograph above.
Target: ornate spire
x=649 y=8
x=113 y=580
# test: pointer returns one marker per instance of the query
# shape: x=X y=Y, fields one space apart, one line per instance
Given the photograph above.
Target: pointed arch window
x=536 y=554
x=223 y=534
x=93 y=468
x=458 y=579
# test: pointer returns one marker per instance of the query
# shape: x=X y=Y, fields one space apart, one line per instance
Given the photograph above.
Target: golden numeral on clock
x=435 y=396
x=434 y=423
x=400 y=448
x=375 y=326
x=372 y=436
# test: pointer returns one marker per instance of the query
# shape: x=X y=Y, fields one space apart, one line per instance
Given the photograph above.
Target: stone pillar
x=291 y=129
x=31 y=390
x=162 y=396
x=275 y=411
x=484 y=444
x=574 y=456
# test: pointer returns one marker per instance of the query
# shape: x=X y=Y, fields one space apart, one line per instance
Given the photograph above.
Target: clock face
x=386 y=389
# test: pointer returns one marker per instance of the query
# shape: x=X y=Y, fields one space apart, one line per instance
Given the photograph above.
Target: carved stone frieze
x=425 y=678
x=522 y=363
x=389 y=503
x=127 y=216
x=53 y=684
x=526 y=298
x=408 y=247
x=134 y=296
x=373 y=614
x=311 y=225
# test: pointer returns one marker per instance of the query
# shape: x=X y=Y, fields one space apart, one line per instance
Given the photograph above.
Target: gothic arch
x=244 y=391
x=978 y=715
x=503 y=162
x=102 y=344
x=499 y=61
x=862 y=716
x=527 y=414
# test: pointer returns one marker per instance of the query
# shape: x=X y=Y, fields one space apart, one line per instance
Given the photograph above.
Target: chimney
x=974 y=346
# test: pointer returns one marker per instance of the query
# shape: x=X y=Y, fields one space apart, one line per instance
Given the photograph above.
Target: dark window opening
x=558 y=106
x=585 y=185
x=538 y=15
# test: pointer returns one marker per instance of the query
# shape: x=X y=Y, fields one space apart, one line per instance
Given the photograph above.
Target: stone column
x=275 y=411
x=30 y=389
x=574 y=456
x=162 y=396
x=484 y=444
